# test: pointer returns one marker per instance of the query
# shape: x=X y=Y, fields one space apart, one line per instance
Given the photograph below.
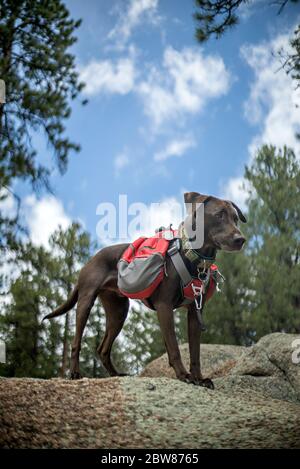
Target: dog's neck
x=207 y=251
x=203 y=257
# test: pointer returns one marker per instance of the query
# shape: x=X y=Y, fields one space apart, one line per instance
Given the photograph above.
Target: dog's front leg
x=194 y=333
x=166 y=319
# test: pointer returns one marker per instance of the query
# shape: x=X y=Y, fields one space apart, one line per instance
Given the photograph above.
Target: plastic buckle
x=168 y=235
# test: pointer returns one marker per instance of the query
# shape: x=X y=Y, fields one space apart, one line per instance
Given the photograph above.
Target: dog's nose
x=239 y=241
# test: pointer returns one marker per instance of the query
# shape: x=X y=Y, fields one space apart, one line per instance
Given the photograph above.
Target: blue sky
x=166 y=115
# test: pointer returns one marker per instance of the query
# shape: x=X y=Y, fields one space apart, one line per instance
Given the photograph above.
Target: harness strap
x=186 y=278
x=178 y=263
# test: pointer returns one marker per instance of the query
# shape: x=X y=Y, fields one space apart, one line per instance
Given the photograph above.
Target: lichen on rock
x=255 y=405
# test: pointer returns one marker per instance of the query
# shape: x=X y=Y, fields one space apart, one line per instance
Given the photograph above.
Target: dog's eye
x=220 y=214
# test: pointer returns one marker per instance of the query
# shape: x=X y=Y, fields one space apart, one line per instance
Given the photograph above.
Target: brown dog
x=99 y=278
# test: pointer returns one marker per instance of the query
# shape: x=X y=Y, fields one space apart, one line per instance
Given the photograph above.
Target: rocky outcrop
x=216 y=360
x=266 y=367
x=158 y=412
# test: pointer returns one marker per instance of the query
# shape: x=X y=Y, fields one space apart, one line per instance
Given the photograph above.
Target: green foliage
x=227 y=315
x=41 y=79
x=261 y=292
x=71 y=249
x=293 y=61
x=275 y=224
x=214 y=17
x=32 y=347
x=45 y=280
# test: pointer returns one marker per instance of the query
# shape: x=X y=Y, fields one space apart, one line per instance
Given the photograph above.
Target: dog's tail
x=66 y=306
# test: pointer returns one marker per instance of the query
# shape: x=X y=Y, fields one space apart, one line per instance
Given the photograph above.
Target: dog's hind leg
x=116 y=310
x=85 y=303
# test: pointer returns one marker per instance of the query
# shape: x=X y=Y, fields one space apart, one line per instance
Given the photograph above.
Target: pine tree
x=274 y=219
x=31 y=296
x=214 y=18
x=261 y=291
x=227 y=314
x=71 y=248
x=36 y=348
x=41 y=78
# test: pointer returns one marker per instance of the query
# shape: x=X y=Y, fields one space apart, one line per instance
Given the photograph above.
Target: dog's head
x=221 y=218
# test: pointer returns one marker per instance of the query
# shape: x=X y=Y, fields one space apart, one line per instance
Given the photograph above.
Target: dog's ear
x=191 y=198
x=240 y=213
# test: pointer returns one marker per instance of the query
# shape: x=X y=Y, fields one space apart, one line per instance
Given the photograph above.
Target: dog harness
x=196 y=288
x=143 y=266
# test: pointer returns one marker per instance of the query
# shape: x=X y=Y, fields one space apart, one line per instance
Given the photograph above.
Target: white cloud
x=273 y=100
x=43 y=217
x=236 y=190
x=109 y=77
x=175 y=148
x=272 y=105
x=187 y=80
x=137 y=11
x=183 y=84
x=247 y=9
x=121 y=161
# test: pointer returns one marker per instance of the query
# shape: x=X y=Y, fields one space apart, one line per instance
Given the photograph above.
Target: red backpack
x=142 y=268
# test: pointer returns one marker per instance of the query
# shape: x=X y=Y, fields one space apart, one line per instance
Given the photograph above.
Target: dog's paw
x=206 y=383
x=186 y=378
x=75 y=375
